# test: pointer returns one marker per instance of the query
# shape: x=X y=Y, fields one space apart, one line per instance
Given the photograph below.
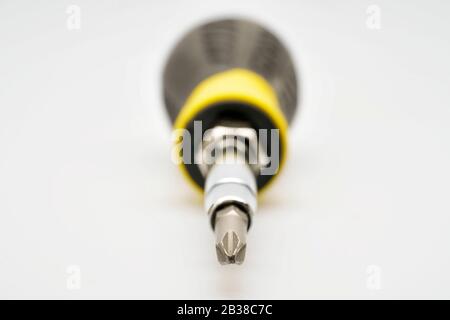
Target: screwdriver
x=230 y=90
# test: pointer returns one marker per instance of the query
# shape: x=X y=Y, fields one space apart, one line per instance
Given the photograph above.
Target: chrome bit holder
x=230 y=189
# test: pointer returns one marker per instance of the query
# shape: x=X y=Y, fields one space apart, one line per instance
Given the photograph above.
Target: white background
x=86 y=178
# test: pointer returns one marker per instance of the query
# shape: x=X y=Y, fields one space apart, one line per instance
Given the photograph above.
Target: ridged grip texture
x=222 y=45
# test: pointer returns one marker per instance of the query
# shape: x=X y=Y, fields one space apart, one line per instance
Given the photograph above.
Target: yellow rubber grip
x=234 y=85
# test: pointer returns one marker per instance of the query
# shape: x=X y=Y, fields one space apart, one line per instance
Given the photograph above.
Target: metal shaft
x=230 y=200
